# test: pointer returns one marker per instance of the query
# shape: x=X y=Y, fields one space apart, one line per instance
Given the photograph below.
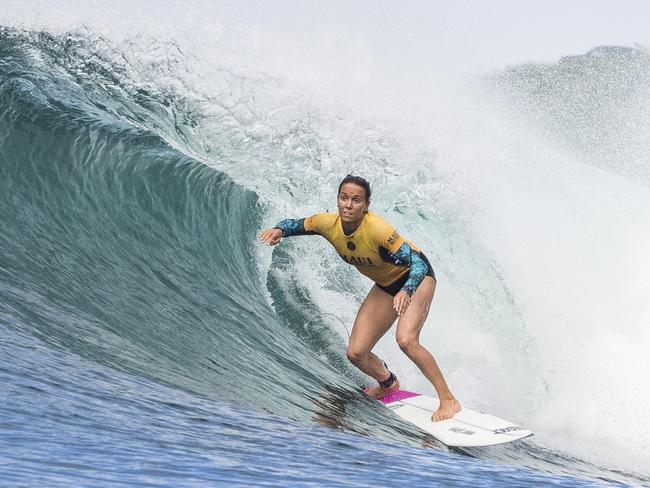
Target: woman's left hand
x=401 y=302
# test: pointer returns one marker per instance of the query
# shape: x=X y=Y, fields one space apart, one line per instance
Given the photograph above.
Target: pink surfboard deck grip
x=396 y=396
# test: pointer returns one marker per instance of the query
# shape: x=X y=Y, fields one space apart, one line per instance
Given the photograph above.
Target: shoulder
x=377 y=225
x=320 y=222
x=373 y=218
x=383 y=233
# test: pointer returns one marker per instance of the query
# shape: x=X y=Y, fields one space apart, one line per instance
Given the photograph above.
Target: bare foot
x=446 y=410
x=378 y=392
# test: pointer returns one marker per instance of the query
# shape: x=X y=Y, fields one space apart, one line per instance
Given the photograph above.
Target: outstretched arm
x=292 y=227
x=284 y=228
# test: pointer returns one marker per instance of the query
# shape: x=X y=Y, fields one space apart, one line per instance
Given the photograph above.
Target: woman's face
x=352 y=203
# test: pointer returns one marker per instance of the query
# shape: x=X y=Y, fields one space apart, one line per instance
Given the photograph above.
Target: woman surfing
x=404 y=286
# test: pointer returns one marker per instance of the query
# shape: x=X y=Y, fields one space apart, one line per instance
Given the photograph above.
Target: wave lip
x=127 y=251
x=595 y=105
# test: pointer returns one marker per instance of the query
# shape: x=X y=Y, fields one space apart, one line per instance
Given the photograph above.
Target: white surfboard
x=468 y=428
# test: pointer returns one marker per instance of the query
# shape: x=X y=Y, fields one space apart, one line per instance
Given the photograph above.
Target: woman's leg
x=408 y=337
x=374 y=319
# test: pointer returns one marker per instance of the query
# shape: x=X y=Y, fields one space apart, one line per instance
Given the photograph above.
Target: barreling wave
x=125 y=250
x=129 y=204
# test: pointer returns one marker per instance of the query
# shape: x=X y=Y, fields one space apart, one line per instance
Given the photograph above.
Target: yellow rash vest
x=371 y=248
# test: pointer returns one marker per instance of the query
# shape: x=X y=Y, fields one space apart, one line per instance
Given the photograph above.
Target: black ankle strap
x=387 y=383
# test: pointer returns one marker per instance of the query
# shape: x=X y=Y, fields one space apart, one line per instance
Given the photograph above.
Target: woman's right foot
x=447 y=409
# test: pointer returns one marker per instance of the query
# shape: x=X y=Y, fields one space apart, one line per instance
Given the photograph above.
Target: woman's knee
x=355 y=356
x=407 y=342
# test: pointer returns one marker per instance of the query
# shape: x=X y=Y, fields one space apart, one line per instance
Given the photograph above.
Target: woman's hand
x=270 y=237
x=401 y=302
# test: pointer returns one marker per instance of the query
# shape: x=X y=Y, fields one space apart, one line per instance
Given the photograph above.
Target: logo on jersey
x=393 y=238
x=351 y=246
x=361 y=261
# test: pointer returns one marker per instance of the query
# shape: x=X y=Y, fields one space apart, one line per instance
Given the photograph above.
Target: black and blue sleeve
x=418 y=268
x=293 y=227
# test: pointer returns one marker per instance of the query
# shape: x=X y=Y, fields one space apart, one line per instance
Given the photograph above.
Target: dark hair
x=359 y=181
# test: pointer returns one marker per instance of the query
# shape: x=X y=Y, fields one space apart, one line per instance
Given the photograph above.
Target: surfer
x=404 y=286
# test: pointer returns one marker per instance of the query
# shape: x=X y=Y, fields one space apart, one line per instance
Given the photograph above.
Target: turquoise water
x=145 y=336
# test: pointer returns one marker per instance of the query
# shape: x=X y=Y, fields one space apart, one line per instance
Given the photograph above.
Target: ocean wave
x=131 y=190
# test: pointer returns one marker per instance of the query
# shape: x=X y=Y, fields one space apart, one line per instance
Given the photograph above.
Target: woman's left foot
x=378 y=392
x=446 y=410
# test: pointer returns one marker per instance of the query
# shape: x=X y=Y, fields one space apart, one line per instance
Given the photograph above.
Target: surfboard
x=468 y=428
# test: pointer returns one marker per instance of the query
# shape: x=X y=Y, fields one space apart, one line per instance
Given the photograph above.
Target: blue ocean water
x=67 y=421
x=145 y=338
